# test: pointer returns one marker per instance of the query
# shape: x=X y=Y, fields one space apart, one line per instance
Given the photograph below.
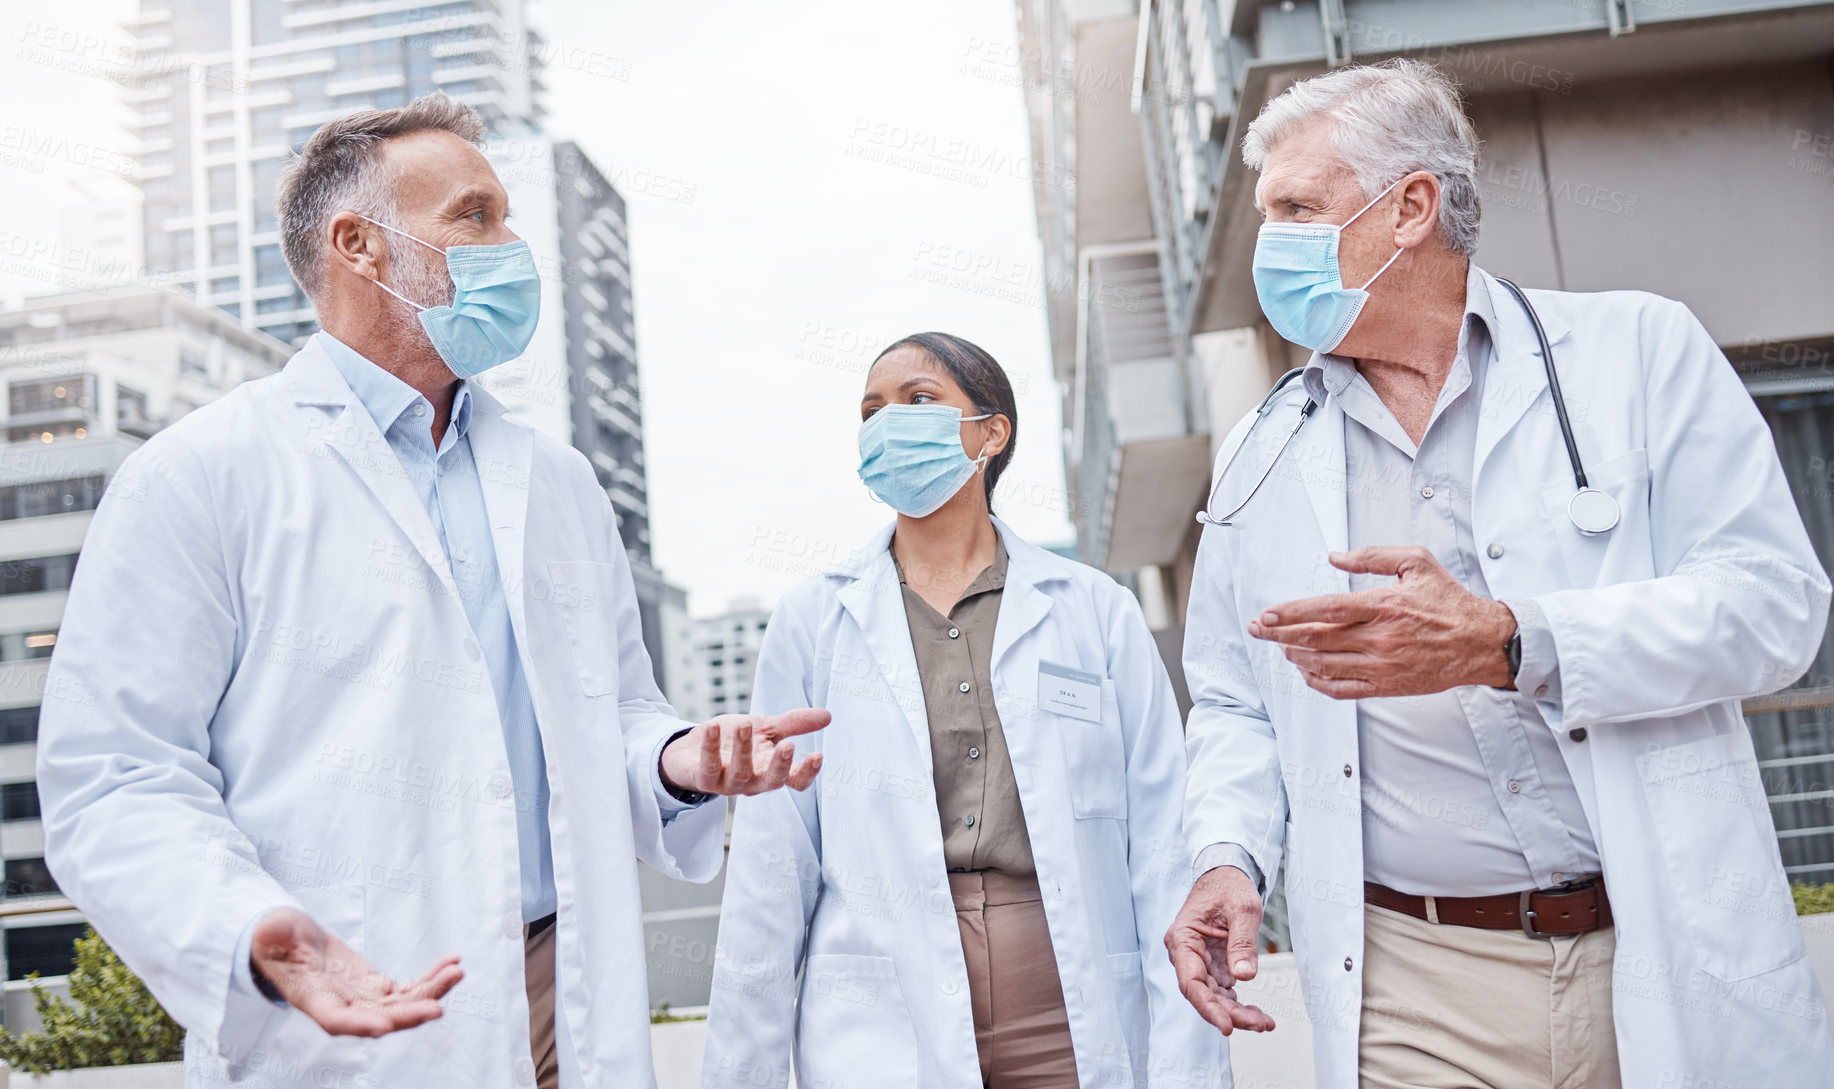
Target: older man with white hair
x=351 y=701
x=1477 y=597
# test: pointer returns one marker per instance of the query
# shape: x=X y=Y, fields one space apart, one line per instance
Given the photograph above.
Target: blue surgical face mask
x=496 y=301
x=1299 y=283
x=911 y=456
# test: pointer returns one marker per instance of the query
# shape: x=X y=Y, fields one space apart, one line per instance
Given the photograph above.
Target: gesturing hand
x=1424 y=634
x=324 y=979
x=743 y=754
x=1212 y=943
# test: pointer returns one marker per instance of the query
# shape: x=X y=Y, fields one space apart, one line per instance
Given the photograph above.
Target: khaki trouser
x=538 y=968
x=1021 y=1028
x=1458 y=1007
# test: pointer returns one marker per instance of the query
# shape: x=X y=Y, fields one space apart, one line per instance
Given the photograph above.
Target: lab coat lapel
x=1517 y=378
x=1317 y=458
x=1023 y=606
x=354 y=439
x=875 y=600
x=503 y=453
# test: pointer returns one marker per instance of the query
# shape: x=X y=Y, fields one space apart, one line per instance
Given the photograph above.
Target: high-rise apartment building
x=1618 y=138
x=88 y=376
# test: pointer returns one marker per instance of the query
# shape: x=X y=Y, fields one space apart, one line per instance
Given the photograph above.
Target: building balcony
x=1140 y=454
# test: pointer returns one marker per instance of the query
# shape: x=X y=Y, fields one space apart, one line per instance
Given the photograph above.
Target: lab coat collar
x=353 y=438
x=870 y=592
x=1517 y=379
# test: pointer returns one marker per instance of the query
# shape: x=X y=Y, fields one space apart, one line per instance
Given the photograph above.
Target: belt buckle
x=1526 y=916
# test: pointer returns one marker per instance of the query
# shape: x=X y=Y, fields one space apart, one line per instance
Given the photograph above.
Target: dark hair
x=981 y=379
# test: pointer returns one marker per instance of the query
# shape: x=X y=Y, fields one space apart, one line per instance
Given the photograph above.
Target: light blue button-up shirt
x=446 y=479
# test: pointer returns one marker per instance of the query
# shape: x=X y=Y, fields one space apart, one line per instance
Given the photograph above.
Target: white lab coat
x=266 y=694
x=838 y=938
x=1707 y=591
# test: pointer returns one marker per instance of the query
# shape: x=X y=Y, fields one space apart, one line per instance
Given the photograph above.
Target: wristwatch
x=691 y=797
x=1512 y=652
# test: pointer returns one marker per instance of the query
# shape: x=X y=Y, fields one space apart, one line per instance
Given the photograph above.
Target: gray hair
x=340 y=168
x=1387 y=120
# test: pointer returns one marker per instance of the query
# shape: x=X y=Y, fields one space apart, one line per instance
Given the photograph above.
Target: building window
x=37 y=575
x=130 y=405
x=66 y=429
x=51 y=497
x=47 y=950
x=19 y=802
x=22 y=646
x=28 y=877
x=18 y=725
x=47 y=394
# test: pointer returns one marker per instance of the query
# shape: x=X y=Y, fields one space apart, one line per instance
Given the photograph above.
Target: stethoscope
x=1593 y=512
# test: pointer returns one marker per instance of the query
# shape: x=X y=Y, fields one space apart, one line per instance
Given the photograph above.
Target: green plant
x=110 y=1020
x=1813 y=899
x=661 y=1015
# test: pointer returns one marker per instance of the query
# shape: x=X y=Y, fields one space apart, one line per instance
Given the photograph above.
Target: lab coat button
x=1578 y=733
x=1348 y=964
x=525 y=1072
x=1346 y=771
x=499 y=786
x=471 y=649
x=1541 y=690
x=1495 y=550
x=951 y=987
x=512 y=926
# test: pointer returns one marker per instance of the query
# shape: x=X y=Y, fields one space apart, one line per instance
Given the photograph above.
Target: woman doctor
x=976 y=893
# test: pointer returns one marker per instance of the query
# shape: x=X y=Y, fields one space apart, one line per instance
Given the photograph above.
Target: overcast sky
x=806 y=182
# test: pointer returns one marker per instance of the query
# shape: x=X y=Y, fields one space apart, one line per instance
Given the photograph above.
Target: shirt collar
x=1329 y=374
x=384 y=396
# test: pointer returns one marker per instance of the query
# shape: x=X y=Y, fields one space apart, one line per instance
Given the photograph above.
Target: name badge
x=1069 y=692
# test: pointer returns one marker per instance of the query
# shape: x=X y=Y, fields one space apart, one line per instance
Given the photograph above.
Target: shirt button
x=1577 y=733
x=974 y=754
x=954 y=632
x=420 y=410
x=964 y=686
x=471 y=649
x=525 y=1072
x=459 y=555
x=970 y=821
x=1495 y=550
x=1515 y=787
x=1426 y=492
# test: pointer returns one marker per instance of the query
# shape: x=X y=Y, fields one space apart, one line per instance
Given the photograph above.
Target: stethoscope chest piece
x=1593 y=512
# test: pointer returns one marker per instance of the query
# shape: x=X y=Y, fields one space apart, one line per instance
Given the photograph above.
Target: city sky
x=806 y=183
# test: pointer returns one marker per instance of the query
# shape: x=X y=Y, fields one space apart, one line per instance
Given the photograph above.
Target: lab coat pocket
x=1712 y=824
x=1625 y=478
x=580 y=591
x=852 y=1006
x=339 y=909
x=1130 y=1002
x=1095 y=760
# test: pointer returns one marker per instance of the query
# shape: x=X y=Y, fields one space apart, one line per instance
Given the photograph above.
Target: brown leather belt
x=1540 y=913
